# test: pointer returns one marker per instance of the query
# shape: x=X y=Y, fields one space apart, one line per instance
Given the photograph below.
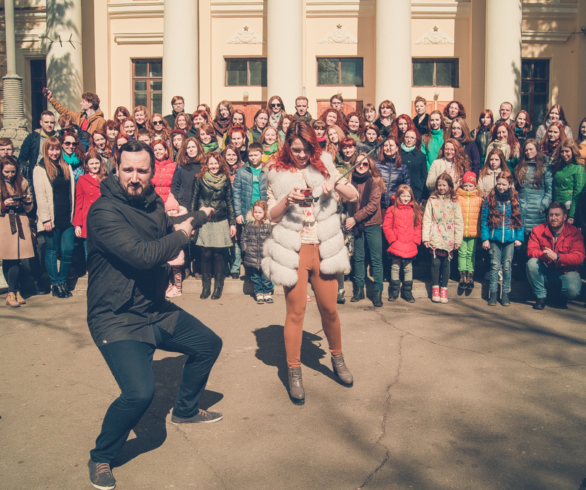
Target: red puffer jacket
x=569 y=245
x=87 y=192
x=402 y=235
x=163 y=177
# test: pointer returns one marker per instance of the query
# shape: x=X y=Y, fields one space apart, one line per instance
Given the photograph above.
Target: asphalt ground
x=455 y=396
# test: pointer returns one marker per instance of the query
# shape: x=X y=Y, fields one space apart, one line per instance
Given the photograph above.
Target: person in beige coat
x=495 y=164
x=452 y=160
x=15 y=233
x=54 y=185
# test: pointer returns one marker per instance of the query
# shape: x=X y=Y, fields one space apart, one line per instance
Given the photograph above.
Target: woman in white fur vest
x=307 y=244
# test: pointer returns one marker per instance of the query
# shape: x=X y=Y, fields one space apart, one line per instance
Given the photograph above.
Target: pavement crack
x=388 y=404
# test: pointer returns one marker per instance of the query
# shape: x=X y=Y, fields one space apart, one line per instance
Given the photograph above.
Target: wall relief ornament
x=338 y=35
x=435 y=35
x=245 y=35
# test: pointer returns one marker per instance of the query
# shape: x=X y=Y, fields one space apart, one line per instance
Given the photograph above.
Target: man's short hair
x=508 y=103
x=301 y=97
x=6 y=142
x=176 y=98
x=64 y=118
x=92 y=98
x=46 y=113
x=255 y=147
x=557 y=205
x=143 y=132
x=337 y=96
x=134 y=146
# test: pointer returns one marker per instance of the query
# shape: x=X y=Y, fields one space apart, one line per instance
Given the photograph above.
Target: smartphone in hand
x=308 y=193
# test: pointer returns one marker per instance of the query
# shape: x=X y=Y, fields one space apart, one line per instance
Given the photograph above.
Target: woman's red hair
x=461 y=110
x=482 y=114
x=303 y=131
x=512 y=140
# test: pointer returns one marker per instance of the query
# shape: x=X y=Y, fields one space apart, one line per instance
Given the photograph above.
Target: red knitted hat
x=469 y=177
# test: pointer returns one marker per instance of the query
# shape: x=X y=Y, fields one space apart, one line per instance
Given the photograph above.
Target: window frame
x=247 y=59
x=456 y=62
x=339 y=58
x=531 y=92
x=146 y=79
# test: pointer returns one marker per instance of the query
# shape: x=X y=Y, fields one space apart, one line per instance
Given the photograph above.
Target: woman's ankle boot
x=342 y=371
x=358 y=294
x=206 y=286
x=296 y=391
x=218 y=285
x=492 y=298
x=394 y=289
x=377 y=301
x=408 y=291
x=505 y=301
x=341 y=300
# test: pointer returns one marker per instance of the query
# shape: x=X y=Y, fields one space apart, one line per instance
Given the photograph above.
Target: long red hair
x=461 y=110
x=495 y=216
x=482 y=114
x=395 y=126
x=417 y=213
x=303 y=131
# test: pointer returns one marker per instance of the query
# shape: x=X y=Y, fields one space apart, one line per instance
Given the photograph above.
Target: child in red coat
x=402 y=228
x=87 y=191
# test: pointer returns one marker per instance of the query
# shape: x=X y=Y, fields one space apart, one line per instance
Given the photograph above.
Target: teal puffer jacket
x=535 y=200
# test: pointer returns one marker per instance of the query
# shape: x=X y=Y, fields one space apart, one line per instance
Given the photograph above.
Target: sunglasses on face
x=68 y=143
x=363 y=164
x=275 y=105
x=156 y=123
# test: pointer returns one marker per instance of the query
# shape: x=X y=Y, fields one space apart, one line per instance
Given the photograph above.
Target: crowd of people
x=436 y=184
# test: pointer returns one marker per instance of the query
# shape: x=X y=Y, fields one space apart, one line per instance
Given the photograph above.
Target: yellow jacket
x=471 y=204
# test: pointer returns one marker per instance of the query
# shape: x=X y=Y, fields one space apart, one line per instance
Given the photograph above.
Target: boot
x=11 y=300
x=539 y=304
x=218 y=286
x=296 y=391
x=206 y=282
x=408 y=291
x=394 y=288
x=444 y=295
x=20 y=299
x=341 y=300
x=492 y=298
x=463 y=281
x=66 y=293
x=358 y=294
x=435 y=294
x=505 y=301
x=341 y=370
x=177 y=277
x=377 y=301
x=470 y=281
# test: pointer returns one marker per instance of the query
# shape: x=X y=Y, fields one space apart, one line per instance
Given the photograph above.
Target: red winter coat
x=402 y=235
x=87 y=191
x=569 y=245
x=163 y=178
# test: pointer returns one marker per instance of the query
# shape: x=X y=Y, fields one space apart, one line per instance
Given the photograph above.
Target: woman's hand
x=295 y=197
x=457 y=246
x=232 y=231
x=427 y=244
x=350 y=223
x=240 y=220
x=48 y=226
x=28 y=200
x=9 y=202
x=78 y=231
x=328 y=186
x=570 y=221
x=518 y=243
x=486 y=245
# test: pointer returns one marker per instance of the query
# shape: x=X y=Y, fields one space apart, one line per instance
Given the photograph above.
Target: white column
x=180 y=53
x=10 y=38
x=285 y=50
x=64 y=58
x=503 y=54
x=393 y=53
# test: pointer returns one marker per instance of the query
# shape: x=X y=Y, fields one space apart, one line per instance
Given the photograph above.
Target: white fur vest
x=281 y=250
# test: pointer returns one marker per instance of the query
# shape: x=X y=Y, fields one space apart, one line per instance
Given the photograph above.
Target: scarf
x=321 y=140
x=211 y=146
x=10 y=180
x=274 y=120
x=71 y=160
x=548 y=148
x=215 y=182
x=45 y=135
x=359 y=179
x=222 y=125
x=306 y=117
x=502 y=196
x=407 y=149
x=271 y=149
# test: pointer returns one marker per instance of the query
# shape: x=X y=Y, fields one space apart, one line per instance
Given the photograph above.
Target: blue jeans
x=539 y=274
x=59 y=240
x=373 y=234
x=501 y=254
x=131 y=363
x=261 y=284
x=235 y=258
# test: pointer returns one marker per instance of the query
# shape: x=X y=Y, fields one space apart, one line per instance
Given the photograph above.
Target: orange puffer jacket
x=471 y=204
x=163 y=178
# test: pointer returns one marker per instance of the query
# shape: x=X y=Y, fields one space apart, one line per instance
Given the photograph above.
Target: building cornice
x=546 y=36
x=138 y=37
x=136 y=10
x=551 y=11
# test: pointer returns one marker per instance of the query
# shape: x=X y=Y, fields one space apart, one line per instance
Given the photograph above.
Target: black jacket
x=29 y=153
x=128 y=247
x=416 y=162
x=182 y=184
x=222 y=201
x=421 y=126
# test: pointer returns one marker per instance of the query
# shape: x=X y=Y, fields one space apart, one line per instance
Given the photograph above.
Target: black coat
x=252 y=241
x=128 y=248
x=421 y=127
x=472 y=151
x=27 y=158
x=416 y=162
x=222 y=201
x=182 y=184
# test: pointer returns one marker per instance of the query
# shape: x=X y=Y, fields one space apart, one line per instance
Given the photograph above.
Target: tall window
x=147 y=84
x=246 y=72
x=340 y=71
x=38 y=82
x=535 y=89
x=436 y=73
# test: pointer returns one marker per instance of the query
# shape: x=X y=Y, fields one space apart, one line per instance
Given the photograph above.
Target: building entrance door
x=250 y=109
x=38 y=82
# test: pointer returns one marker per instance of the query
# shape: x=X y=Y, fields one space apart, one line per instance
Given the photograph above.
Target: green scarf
x=270 y=149
x=214 y=181
x=211 y=146
x=407 y=149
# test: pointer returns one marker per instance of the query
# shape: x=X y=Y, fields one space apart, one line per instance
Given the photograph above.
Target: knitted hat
x=171 y=204
x=469 y=177
x=178 y=131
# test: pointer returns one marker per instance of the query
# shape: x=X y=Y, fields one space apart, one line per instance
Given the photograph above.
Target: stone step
x=421 y=289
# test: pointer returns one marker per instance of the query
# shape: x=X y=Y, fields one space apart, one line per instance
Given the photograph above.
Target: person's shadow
x=271 y=351
x=151 y=430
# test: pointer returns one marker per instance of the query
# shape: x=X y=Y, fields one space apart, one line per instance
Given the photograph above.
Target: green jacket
x=432 y=150
x=568 y=182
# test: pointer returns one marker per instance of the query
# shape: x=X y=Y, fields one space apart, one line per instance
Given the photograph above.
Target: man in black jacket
x=130 y=239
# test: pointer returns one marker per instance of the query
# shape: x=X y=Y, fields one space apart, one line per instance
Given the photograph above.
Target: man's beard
x=135 y=199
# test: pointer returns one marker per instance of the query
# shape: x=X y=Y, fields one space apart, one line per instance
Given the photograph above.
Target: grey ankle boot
x=394 y=289
x=342 y=371
x=296 y=391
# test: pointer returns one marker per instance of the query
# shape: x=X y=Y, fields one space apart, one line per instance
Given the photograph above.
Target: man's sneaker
x=101 y=475
x=203 y=417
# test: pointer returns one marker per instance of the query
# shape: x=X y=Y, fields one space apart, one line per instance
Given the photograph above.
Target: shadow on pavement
x=151 y=430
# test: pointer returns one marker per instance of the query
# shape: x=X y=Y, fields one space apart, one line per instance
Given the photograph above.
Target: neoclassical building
x=143 y=52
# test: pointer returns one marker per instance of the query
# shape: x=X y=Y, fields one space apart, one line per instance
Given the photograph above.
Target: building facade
x=143 y=52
